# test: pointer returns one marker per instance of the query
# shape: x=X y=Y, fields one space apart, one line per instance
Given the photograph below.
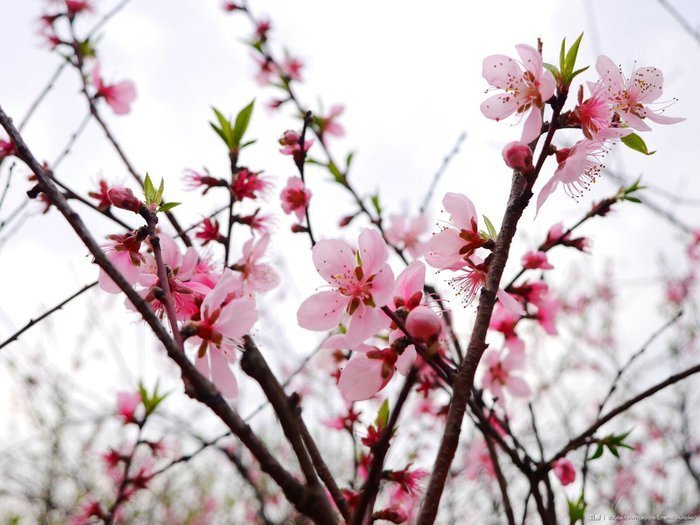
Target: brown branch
x=196 y=385
x=324 y=472
x=370 y=488
x=582 y=438
x=521 y=192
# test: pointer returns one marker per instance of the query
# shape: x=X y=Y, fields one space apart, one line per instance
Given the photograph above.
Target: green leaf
x=168 y=206
x=149 y=191
x=249 y=143
x=598 y=452
x=224 y=130
x=491 y=231
x=241 y=125
x=375 y=203
x=570 y=60
x=562 y=63
x=577 y=510
x=552 y=69
x=348 y=160
x=575 y=73
x=220 y=133
x=636 y=143
x=337 y=175
x=383 y=415
x=159 y=193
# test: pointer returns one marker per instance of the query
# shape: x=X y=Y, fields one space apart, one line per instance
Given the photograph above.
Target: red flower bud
x=423 y=324
x=124 y=198
x=518 y=156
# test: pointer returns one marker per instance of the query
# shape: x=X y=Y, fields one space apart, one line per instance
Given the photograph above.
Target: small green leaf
x=220 y=133
x=224 y=128
x=249 y=143
x=348 y=160
x=577 y=510
x=241 y=125
x=491 y=231
x=168 y=206
x=575 y=73
x=159 y=193
x=598 y=452
x=383 y=415
x=570 y=60
x=552 y=69
x=376 y=204
x=337 y=175
x=562 y=51
x=636 y=143
x=149 y=191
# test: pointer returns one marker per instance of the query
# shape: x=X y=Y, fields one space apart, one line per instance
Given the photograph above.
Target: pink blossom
x=630 y=98
x=505 y=321
x=266 y=70
x=450 y=248
x=596 y=116
x=194 y=180
x=248 y=184
x=102 y=196
x=119 y=96
x=361 y=282
x=424 y=325
x=536 y=261
x=408 y=289
x=367 y=372
x=209 y=231
x=408 y=480
x=124 y=198
x=295 y=198
x=517 y=156
x=127 y=403
x=79 y=6
x=7 y=149
x=472 y=278
x=257 y=276
x=291 y=145
x=224 y=319
x=188 y=283
x=579 y=167
x=499 y=374
x=124 y=254
x=406 y=233
x=526 y=87
x=564 y=470
x=478 y=461
x=292 y=68
x=557 y=235
x=329 y=124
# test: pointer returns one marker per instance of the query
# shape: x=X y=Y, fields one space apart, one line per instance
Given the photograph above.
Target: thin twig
x=441 y=170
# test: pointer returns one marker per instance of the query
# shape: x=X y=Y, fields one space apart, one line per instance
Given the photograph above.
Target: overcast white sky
x=409 y=73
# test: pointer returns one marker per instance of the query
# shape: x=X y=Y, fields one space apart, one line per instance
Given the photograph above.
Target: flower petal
x=322 y=311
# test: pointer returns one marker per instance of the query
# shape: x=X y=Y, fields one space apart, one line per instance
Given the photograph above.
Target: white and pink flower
x=295 y=198
x=361 y=282
x=119 y=96
x=527 y=85
x=224 y=319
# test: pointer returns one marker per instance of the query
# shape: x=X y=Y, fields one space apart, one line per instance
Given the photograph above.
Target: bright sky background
x=409 y=74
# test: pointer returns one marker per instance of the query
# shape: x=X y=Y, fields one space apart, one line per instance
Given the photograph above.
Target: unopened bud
x=299 y=228
x=423 y=324
x=124 y=198
x=518 y=156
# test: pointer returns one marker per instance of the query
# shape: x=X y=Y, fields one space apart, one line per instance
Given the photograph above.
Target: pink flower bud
x=423 y=324
x=517 y=156
x=124 y=198
x=564 y=470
